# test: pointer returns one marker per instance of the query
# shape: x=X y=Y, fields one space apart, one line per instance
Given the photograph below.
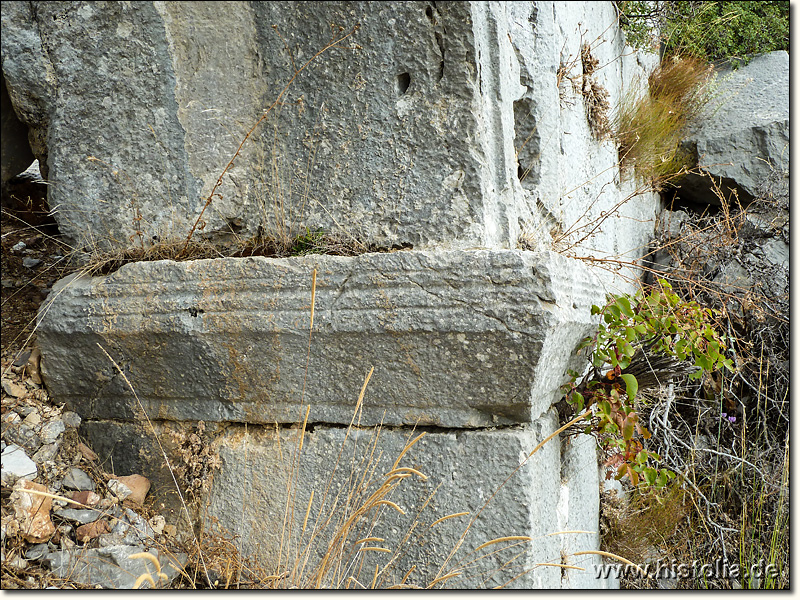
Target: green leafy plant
x=707 y=30
x=642 y=342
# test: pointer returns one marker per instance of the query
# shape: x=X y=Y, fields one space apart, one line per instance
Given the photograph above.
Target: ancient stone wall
x=455 y=130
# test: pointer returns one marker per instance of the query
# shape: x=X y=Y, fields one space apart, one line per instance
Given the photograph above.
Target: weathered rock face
x=466 y=460
x=747 y=136
x=456 y=337
x=408 y=133
x=450 y=127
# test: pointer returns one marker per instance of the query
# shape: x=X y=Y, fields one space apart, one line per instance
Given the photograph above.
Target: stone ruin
x=444 y=133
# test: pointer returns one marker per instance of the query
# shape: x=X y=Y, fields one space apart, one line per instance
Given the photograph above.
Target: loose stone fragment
x=31 y=263
x=71 y=419
x=33 y=511
x=112 y=568
x=77 y=479
x=16 y=465
x=85 y=497
x=158 y=523
x=46 y=453
x=87 y=452
x=87 y=532
x=134 y=527
x=138 y=486
x=50 y=431
x=119 y=489
x=22 y=359
x=24 y=436
x=37 y=551
x=13 y=389
x=81 y=516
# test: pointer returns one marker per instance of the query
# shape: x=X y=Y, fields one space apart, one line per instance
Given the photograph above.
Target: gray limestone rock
x=38 y=551
x=415 y=130
x=133 y=528
x=368 y=130
x=23 y=435
x=77 y=479
x=79 y=515
x=747 y=136
x=16 y=464
x=457 y=339
x=46 y=453
x=71 y=419
x=51 y=430
x=465 y=472
x=111 y=567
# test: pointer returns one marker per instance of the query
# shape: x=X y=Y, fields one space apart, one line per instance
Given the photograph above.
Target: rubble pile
x=66 y=523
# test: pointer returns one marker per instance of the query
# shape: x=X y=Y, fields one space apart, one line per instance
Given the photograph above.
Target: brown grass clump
x=645 y=525
x=650 y=126
x=595 y=96
x=310 y=242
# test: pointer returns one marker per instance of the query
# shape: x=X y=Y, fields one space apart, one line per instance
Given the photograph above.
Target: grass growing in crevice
x=650 y=124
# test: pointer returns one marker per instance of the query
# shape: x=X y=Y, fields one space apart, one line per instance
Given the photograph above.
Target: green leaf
x=596 y=310
x=649 y=475
x=577 y=400
x=631 y=385
x=625 y=306
x=703 y=362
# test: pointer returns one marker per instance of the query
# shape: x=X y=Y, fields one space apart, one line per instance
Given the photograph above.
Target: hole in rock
x=403 y=81
x=24 y=197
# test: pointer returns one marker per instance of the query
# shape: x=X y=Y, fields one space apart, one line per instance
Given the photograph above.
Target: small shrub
x=708 y=31
x=726 y=30
x=642 y=342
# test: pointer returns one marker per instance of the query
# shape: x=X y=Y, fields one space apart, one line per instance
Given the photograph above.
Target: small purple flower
x=732 y=419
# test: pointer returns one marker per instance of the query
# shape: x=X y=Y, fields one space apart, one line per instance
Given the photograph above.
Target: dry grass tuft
x=650 y=125
x=644 y=525
x=595 y=96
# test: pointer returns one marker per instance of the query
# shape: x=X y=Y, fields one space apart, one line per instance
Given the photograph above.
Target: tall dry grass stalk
x=650 y=124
